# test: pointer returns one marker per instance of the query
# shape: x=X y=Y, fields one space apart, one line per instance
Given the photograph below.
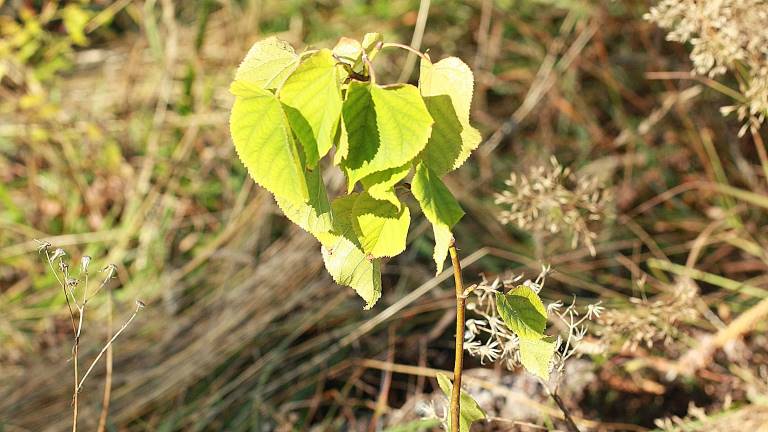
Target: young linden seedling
x=292 y=110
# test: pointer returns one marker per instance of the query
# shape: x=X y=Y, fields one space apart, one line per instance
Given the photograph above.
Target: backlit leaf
x=536 y=354
x=267 y=64
x=350 y=51
x=381 y=185
x=386 y=127
x=440 y=208
x=313 y=216
x=313 y=103
x=343 y=256
x=382 y=227
x=264 y=142
x=523 y=312
x=447 y=88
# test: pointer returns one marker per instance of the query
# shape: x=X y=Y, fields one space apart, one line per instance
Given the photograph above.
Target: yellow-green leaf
x=440 y=208
x=447 y=88
x=381 y=185
x=470 y=410
x=313 y=216
x=264 y=142
x=386 y=128
x=267 y=64
x=313 y=103
x=343 y=256
x=523 y=312
x=536 y=354
x=382 y=227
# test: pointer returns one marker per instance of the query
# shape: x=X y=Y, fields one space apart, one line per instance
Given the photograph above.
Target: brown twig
x=459 y=347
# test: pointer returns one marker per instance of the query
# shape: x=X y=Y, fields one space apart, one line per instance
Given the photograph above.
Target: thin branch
x=369 y=65
x=139 y=306
x=405 y=47
x=64 y=288
x=569 y=422
x=75 y=350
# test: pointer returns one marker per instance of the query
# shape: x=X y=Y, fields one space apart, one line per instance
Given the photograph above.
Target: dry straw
x=725 y=35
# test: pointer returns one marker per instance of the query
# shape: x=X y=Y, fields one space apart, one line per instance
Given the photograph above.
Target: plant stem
x=459 y=347
x=569 y=422
x=76 y=389
x=102 y=426
x=104 y=349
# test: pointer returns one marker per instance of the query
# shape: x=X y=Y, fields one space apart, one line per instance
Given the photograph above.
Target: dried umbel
x=487 y=336
x=726 y=35
x=649 y=322
x=553 y=199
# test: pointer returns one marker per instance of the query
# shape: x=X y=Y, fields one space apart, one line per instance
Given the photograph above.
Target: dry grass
x=126 y=157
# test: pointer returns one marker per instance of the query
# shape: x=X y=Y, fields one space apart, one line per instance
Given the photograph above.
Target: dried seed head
x=85 y=261
x=58 y=253
x=726 y=35
x=110 y=270
x=140 y=304
x=552 y=199
x=42 y=246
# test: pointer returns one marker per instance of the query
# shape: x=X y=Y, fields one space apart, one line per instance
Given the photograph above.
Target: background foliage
x=114 y=143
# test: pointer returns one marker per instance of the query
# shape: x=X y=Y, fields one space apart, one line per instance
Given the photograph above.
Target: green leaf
x=440 y=208
x=342 y=145
x=381 y=185
x=470 y=410
x=313 y=216
x=312 y=97
x=523 y=312
x=268 y=63
x=447 y=88
x=443 y=239
x=386 y=128
x=382 y=227
x=535 y=355
x=264 y=142
x=343 y=256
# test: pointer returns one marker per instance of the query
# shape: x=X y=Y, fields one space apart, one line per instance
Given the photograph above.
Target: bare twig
x=569 y=422
x=405 y=47
x=139 y=306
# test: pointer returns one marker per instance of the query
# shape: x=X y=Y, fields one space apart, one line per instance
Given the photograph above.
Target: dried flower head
x=58 y=253
x=553 y=199
x=726 y=35
x=649 y=322
x=85 y=261
x=488 y=338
